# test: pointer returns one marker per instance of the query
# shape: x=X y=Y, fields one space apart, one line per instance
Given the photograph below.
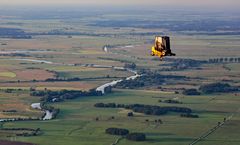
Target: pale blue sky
x=196 y=3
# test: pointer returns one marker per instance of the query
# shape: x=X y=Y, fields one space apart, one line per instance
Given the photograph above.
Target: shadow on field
x=177 y=139
x=159 y=134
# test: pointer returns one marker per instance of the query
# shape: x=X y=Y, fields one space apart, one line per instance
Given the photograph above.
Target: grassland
x=61 y=56
x=76 y=122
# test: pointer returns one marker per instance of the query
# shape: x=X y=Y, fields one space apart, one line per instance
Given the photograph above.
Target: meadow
x=76 y=122
x=62 y=50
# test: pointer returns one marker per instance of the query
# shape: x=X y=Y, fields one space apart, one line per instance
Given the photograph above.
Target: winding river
x=113 y=83
x=48 y=114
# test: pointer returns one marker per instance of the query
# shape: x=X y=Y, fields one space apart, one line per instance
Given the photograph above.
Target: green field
x=76 y=123
x=70 y=58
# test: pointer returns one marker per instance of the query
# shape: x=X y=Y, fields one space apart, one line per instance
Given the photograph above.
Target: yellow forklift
x=161 y=47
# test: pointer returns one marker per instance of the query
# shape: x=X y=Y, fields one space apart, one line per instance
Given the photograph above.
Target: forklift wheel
x=152 y=53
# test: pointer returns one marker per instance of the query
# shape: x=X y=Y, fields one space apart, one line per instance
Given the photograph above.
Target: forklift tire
x=152 y=53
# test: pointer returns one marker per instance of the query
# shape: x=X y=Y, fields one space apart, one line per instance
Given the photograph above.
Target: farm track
x=117 y=141
x=214 y=129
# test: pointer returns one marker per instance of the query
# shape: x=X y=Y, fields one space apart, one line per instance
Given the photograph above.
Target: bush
x=136 y=136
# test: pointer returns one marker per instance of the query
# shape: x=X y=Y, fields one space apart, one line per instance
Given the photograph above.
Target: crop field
x=67 y=55
x=7 y=74
x=76 y=122
x=20 y=102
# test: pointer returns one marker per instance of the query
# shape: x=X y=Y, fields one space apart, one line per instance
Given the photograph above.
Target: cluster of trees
x=225 y=60
x=131 y=84
x=136 y=136
x=117 y=131
x=181 y=64
x=146 y=109
x=218 y=87
x=18 y=119
x=9 y=90
x=51 y=109
x=191 y=92
x=189 y=115
x=54 y=96
x=62 y=79
x=75 y=79
x=24 y=131
x=9 y=111
x=125 y=132
x=15 y=54
x=150 y=79
x=211 y=88
x=170 y=101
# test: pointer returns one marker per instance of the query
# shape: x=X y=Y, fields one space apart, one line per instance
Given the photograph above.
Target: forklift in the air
x=161 y=47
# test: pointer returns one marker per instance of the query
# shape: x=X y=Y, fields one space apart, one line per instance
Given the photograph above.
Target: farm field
x=76 y=123
x=20 y=102
x=68 y=57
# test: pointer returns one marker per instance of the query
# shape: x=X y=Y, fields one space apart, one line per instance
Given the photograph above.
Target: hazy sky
x=175 y=3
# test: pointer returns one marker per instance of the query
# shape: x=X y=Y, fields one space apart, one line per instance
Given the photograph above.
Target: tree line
x=170 y=101
x=176 y=64
x=189 y=115
x=57 y=96
x=125 y=132
x=225 y=60
x=24 y=131
x=191 y=92
x=149 y=79
x=218 y=88
x=146 y=109
x=212 y=88
x=75 y=79
x=117 y=131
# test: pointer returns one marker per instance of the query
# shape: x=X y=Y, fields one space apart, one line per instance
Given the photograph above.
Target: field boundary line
x=212 y=130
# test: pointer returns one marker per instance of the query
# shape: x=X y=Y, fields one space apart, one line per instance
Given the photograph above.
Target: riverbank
x=48 y=114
